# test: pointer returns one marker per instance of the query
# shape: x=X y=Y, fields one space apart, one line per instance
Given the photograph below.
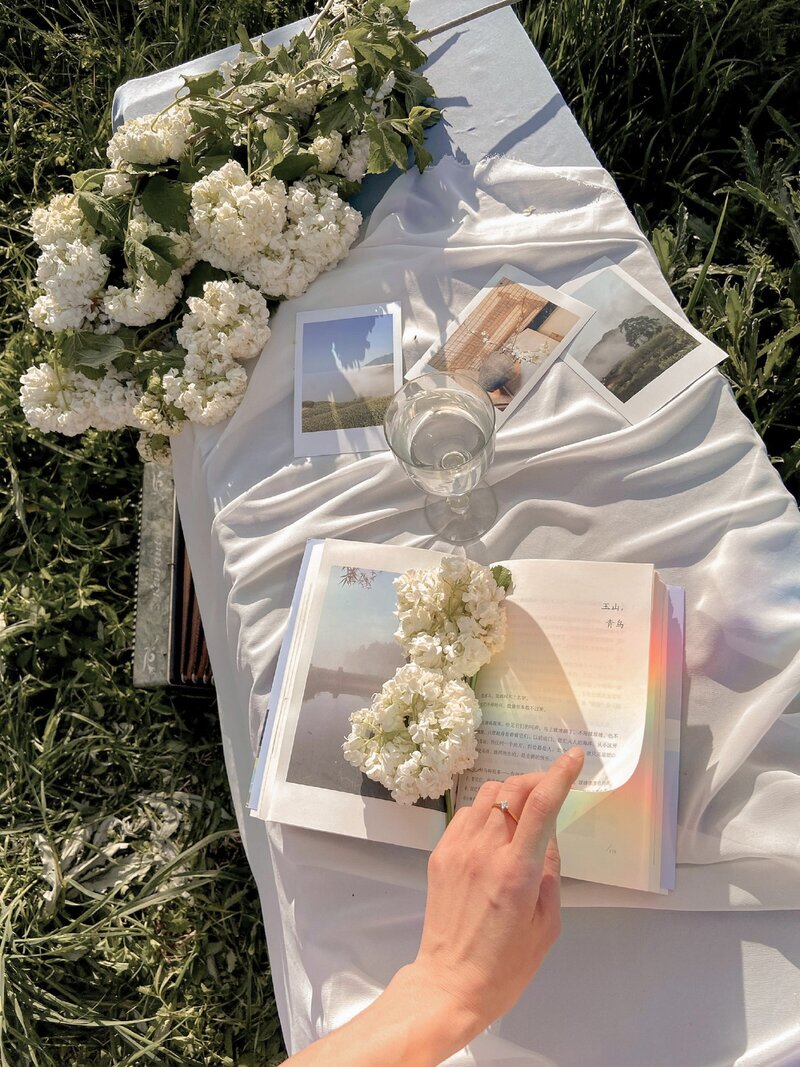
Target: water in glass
x=448 y=439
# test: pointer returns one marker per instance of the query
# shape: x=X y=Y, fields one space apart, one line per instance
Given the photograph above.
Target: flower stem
x=423 y=35
x=448 y=803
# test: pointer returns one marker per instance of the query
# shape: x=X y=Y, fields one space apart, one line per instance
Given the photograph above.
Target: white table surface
x=692 y=490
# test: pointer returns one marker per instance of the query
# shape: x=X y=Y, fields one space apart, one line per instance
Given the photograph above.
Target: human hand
x=493 y=908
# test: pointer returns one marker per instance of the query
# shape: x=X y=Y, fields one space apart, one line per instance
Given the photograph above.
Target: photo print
x=636 y=352
x=348 y=365
x=507 y=337
x=354 y=653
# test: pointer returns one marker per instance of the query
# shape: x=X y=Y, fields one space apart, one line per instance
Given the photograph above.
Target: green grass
x=329 y=415
x=141 y=942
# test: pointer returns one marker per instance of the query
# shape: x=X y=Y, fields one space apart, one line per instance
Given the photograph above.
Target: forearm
x=411 y=1024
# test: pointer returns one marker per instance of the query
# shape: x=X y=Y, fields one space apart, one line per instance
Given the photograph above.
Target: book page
x=574 y=671
x=341 y=652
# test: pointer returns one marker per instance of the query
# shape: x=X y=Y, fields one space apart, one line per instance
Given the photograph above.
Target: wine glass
x=440 y=427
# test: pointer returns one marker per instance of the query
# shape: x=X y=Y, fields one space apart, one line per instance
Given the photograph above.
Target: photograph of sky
x=348 y=359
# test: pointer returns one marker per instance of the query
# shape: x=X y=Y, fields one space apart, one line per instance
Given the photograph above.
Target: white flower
x=61 y=221
x=321 y=229
x=144 y=302
x=386 y=86
x=417 y=734
x=354 y=158
x=152 y=139
x=342 y=58
x=234 y=220
x=327 y=149
x=68 y=402
x=72 y=274
x=297 y=100
x=206 y=394
x=117 y=183
x=229 y=322
x=154 y=412
x=451 y=618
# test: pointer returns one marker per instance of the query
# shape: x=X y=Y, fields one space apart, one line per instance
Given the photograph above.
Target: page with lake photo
x=340 y=653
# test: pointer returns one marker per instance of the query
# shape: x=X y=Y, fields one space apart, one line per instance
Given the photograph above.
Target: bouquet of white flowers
x=157 y=274
x=419 y=731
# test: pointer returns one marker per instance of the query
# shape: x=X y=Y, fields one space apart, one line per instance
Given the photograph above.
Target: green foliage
x=131 y=927
x=503 y=576
x=689 y=106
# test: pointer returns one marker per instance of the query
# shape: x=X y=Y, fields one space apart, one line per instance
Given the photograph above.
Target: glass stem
x=459 y=504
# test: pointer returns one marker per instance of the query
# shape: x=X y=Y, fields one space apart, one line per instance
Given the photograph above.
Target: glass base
x=458 y=520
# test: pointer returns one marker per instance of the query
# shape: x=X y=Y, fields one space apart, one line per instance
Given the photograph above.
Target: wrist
x=442 y=1023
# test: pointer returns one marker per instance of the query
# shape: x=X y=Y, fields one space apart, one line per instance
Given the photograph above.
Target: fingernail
x=574 y=753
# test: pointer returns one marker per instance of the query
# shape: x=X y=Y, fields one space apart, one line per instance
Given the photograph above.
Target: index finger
x=538 y=819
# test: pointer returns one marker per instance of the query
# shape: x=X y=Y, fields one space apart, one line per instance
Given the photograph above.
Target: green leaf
x=88 y=180
x=201 y=84
x=386 y=147
x=295 y=166
x=366 y=43
x=144 y=260
x=167 y=203
x=165 y=247
x=343 y=114
x=212 y=162
x=189 y=172
x=256 y=71
x=244 y=39
x=282 y=61
x=82 y=348
x=100 y=214
x=200 y=274
x=502 y=576
x=426 y=116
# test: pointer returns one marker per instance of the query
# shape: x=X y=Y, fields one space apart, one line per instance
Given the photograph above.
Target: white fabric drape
x=690 y=490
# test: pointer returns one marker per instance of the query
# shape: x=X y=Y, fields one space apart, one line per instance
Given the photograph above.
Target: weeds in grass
x=129 y=927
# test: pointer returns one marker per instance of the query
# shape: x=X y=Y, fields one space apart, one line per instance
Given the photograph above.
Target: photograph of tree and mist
x=628 y=342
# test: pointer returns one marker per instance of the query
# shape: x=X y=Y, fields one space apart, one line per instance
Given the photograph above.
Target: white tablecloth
x=690 y=490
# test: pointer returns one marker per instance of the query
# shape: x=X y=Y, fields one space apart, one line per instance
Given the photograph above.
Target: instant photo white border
x=358 y=438
x=671 y=382
x=556 y=296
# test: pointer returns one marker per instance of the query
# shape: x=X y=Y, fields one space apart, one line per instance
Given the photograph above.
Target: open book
x=593 y=656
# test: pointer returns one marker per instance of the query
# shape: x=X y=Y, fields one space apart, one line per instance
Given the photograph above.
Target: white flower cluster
x=229 y=323
x=143 y=301
x=61 y=220
x=72 y=268
x=417 y=734
x=278 y=239
x=451 y=618
x=151 y=139
x=353 y=161
x=271 y=239
x=68 y=402
x=419 y=731
x=233 y=220
x=327 y=150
